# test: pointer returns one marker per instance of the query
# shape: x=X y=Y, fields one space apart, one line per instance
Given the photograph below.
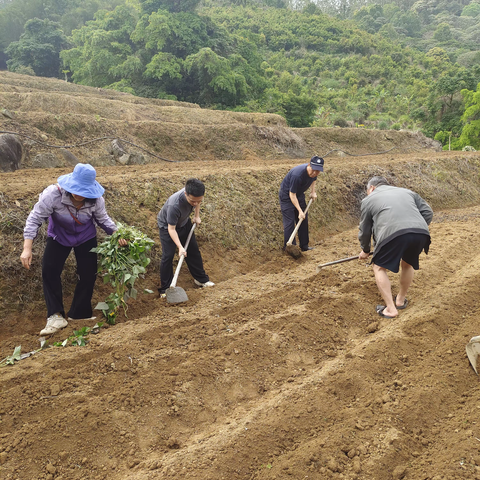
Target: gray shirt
x=175 y=211
x=389 y=212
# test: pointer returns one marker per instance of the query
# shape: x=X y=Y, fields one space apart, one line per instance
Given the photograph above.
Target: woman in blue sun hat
x=73 y=207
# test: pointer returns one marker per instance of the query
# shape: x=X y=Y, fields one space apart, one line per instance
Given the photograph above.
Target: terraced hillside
x=277 y=372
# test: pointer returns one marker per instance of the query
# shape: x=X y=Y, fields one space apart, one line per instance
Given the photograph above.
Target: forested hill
x=397 y=64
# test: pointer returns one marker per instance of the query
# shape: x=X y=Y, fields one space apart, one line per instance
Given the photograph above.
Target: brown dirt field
x=278 y=371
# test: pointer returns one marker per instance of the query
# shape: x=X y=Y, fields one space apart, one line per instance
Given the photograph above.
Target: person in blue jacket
x=292 y=199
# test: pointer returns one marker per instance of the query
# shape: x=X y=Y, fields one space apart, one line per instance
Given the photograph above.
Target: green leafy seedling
x=121 y=267
x=79 y=337
x=11 y=359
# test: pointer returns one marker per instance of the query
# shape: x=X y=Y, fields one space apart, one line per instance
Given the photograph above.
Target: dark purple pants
x=54 y=259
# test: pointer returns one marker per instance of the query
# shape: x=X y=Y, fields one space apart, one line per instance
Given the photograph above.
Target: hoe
x=177 y=294
x=473 y=352
x=294 y=250
x=348 y=259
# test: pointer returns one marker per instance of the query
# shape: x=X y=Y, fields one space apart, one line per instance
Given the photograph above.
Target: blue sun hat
x=82 y=182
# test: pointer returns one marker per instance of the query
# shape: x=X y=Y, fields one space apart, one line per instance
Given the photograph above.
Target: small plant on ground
x=10 y=360
x=79 y=337
x=121 y=266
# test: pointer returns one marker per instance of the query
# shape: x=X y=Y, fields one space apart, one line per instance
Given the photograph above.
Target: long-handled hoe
x=342 y=260
x=294 y=250
x=177 y=294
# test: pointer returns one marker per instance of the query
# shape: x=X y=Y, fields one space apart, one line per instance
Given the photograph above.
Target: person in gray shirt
x=174 y=225
x=398 y=220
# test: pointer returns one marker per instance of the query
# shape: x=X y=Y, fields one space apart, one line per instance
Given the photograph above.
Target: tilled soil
x=279 y=371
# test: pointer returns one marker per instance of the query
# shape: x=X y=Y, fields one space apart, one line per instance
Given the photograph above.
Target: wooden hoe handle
x=292 y=236
x=180 y=261
x=348 y=259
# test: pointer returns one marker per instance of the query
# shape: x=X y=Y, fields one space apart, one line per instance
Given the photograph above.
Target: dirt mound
x=14 y=82
x=278 y=371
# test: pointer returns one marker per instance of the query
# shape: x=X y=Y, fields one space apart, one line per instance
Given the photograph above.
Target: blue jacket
x=296 y=181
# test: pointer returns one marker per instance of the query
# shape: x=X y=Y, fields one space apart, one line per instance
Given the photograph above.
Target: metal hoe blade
x=473 y=351
x=176 y=295
x=294 y=251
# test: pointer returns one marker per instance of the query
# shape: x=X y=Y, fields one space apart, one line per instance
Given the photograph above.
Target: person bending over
x=73 y=207
x=174 y=225
x=398 y=220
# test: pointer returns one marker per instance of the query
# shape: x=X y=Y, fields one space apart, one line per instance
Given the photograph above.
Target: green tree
x=12 y=20
x=69 y=13
x=213 y=81
x=174 y=6
x=39 y=48
x=180 y=34
x=471 y=10
x=446 y=103
x=299 y=110
x=471 y=117
x=312 y=9
x=439 y=56
x=164 y=65
x=76 y=14
x=443 y=33
x=407 y=23
x=103 y=52
x=370 y=18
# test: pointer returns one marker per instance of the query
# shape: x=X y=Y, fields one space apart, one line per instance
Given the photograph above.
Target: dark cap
x=317 y=163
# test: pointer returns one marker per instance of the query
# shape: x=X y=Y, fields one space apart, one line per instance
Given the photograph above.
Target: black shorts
x=407 y=247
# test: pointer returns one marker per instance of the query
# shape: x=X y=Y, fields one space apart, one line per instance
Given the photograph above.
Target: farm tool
x=291 y=249
x=473 y=351
x=348 y=259
x=177 y=294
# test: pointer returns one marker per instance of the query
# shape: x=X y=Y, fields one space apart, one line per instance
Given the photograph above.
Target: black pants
x=290 y=218
x=53 y=262
x=193 y=259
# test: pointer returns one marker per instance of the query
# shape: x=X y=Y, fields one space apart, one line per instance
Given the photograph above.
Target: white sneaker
x=54 y=323
x=206 y=284
x=89 y=318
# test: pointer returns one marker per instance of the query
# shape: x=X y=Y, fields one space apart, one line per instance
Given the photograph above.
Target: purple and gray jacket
x=55 y=204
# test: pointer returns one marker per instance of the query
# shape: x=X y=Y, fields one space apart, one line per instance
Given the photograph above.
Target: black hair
x=84 y=198
x=194 y=187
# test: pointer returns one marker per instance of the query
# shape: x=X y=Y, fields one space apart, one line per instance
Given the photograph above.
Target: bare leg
x=385 y=289
x=406 y=278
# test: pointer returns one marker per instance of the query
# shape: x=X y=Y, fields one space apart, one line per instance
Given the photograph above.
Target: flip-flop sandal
x=401 y=307
x=380 y=309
